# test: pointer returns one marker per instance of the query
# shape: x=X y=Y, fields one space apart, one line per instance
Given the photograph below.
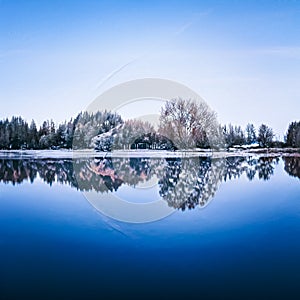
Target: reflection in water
x=17 y=170
x=184 y=183
x=187 y=183
x=292 y=165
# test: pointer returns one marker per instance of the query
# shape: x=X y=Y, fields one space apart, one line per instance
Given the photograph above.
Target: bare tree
x=187 y=123
x=265 y=136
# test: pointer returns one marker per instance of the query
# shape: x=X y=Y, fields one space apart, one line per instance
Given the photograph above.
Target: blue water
x=245 y=244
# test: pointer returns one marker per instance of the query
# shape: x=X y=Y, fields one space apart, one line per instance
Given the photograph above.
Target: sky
x=241 y=57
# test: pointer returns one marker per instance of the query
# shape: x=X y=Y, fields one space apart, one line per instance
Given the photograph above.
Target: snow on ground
x=69 y=154
x=23 y=154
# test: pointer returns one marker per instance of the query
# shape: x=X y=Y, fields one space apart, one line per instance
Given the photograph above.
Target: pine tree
x=33 y=138
x=293 y=135
x=233 y=135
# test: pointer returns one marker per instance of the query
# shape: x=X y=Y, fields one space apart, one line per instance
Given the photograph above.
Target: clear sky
x=242 y=57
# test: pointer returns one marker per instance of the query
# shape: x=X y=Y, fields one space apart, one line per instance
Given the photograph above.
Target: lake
x=178 y=227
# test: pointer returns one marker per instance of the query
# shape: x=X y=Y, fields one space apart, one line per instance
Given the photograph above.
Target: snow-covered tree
x=187 y=123
x=122 y=136
x=89 y=125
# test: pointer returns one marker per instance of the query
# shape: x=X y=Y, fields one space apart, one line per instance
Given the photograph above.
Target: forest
x=183 y=124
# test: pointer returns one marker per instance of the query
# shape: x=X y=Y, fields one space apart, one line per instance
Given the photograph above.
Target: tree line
x=183 y=124
x=17 y=134
x=186 y=124
x=264 y=136
x=236 y=136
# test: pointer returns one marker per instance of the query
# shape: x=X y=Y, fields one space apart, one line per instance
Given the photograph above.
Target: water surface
x=233 y=230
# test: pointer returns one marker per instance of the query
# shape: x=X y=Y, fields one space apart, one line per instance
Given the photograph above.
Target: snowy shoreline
x=70 y=154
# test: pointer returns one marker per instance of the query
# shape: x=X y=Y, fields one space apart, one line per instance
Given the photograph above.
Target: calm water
x=232 y=230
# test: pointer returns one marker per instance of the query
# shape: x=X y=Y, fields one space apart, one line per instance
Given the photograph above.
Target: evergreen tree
x=293 y=135
x=33 y=137
x=88 y=125
x=233 y=135
x=60 y=137
x=69 y=133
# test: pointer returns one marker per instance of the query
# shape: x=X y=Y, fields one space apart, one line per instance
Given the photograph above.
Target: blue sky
x=242 y=57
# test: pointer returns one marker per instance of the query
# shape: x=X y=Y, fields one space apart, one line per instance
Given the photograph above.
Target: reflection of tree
x=170 y=178
x=292 y=165
x=108 y=174
x=183 y=182
x=190 y=182
x=251 y=170
x=97 y=174
x=265 y=167
x=233 y=167
x=16 y=171
x=141 y=166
